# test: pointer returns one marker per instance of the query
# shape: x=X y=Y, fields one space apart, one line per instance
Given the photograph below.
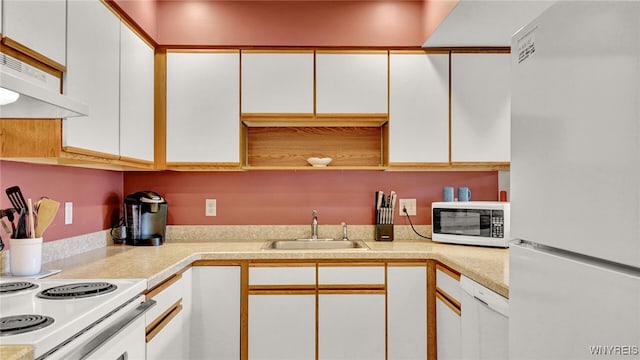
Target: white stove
x=71 y=318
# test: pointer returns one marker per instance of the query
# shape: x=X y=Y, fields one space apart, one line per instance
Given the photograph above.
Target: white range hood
x=38 y=93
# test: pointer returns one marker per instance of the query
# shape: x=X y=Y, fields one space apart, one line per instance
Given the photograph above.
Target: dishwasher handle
x=489 y=298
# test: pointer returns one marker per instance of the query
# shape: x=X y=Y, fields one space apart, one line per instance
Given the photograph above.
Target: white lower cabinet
x=168 y=344
x=406 y=312
x=351 y=326
x=448 y=330
x=282 y=326
x=448 y=314
x=215 y=314
x=167 y=334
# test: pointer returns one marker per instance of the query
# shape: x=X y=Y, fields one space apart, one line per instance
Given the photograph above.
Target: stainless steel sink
x=315 y=244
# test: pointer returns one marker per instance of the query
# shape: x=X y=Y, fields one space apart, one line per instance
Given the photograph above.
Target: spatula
x=47 y=210
x=16 y=198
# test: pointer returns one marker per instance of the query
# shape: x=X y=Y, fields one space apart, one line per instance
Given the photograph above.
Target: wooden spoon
x=47 y=210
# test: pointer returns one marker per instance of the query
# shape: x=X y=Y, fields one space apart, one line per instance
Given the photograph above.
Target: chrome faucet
x=314 y=225
x=345 y=237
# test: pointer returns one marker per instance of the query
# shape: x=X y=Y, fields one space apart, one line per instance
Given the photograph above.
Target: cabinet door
x=480 y=108
x=136 y=96
x=215 y=312
x=282 y=326
x=277 y=82
x=418 y=108
x=168 y=343
x=448 y=333
x=203 y=107
x=407 y=312
x=352 y=83
x=93 y=72
x=40 y=25
x=351 y=326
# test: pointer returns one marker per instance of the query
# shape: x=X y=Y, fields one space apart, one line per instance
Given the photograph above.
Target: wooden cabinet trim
x=407 y=264
x=348 y=263
x=277 y=51
x=449 y=271
x=351 y=51
x=454 y=307
x=450 y=299
x=203 y=50
x=162 y=321
x=351 y=287
x=282 y=264
x=290 y=290
x=41 y=62
x=352 y=291
x=163 y=286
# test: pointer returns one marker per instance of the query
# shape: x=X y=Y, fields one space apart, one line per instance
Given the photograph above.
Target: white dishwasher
x=485 y=322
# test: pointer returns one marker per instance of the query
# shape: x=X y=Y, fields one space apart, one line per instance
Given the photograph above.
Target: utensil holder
x=25 y=256
x=384 y=232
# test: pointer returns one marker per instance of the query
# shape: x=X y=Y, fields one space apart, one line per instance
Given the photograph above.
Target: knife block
x=384 y=232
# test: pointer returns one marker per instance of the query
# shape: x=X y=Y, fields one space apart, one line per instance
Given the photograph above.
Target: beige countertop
x=488 y=266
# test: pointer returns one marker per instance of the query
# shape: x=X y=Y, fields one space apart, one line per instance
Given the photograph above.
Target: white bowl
x=319 y=162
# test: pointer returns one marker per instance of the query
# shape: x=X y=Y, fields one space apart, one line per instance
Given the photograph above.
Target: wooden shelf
x=311 y=120
x=309 y=167
x=289 y=147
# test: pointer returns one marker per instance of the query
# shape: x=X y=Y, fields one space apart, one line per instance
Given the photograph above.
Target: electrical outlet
x=68 y=213
x=410 y=205
x=210 y=207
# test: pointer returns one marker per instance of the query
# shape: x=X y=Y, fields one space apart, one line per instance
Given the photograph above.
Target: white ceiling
x=485 y=22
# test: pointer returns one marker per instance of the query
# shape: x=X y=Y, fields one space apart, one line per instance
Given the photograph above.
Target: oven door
x=120 y=336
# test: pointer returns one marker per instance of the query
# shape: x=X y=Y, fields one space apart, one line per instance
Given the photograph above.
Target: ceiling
x=485 y=22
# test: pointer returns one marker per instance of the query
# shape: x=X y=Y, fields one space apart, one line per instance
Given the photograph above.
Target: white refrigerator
x=575 y=183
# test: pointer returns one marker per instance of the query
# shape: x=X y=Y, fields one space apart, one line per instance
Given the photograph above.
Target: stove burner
x=18 y=324
x=16 y=286
x=76 y=291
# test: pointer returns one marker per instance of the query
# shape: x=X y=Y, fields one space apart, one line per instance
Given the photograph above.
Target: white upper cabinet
x=418 y=108
x=352 y=83
x=93 y=73
x=136 y=96
x=203 y=107
x=480 y=108
x=40 y=25
x=277 y=82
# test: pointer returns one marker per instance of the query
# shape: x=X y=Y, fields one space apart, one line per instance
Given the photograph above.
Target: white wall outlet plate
x=410 y=205
x=68 y=213
x=210 y=207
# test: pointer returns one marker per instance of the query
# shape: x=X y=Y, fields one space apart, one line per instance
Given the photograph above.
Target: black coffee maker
x=145 y=214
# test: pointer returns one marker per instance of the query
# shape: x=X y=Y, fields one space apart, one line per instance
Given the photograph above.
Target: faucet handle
x=314 y=213
x=344 y=232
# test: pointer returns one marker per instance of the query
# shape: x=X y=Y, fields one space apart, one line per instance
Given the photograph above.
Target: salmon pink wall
x=143 y=12
x=96 y=194
x=288 y=197
x=389 y=23
x=291 y=23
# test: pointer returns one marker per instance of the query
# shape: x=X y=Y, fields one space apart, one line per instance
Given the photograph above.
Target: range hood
x=38 y=93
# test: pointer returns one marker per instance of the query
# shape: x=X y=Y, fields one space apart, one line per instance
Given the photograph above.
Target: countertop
x=488 y=266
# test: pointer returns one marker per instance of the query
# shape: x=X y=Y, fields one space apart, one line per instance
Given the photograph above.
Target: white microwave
x=482 y=223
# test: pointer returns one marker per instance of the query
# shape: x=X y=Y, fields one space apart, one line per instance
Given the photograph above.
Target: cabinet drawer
x=356 y=275
x=283 y=275
x=167 y=295
x=448 y=281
